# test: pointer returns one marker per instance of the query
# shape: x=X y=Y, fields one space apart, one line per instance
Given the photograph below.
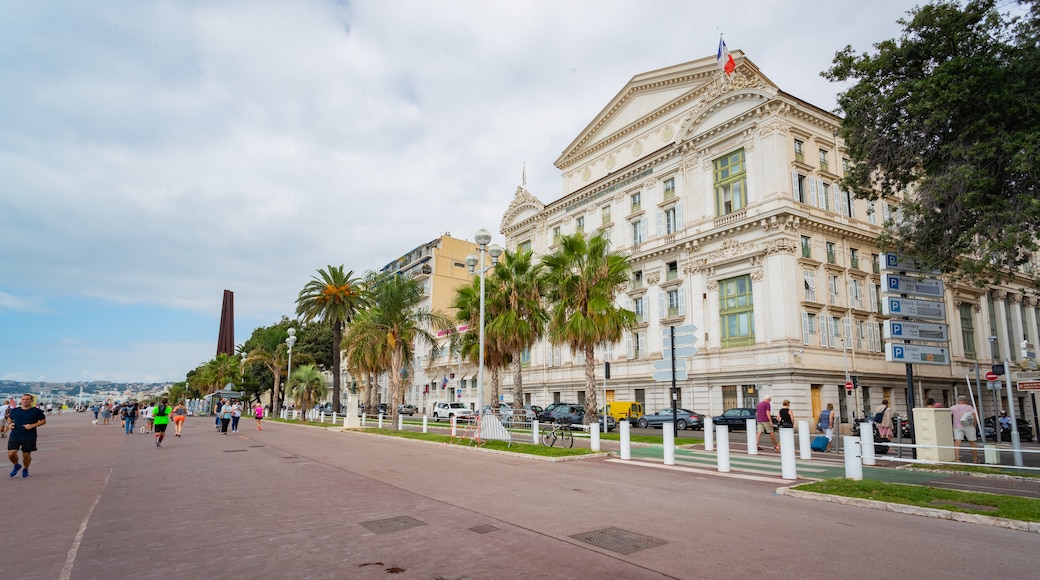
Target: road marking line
x=70 y=560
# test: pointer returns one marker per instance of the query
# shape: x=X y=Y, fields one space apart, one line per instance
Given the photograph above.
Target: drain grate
x=484 y=529
x=255 y=446
x=392 y=524
x=619 y=540
x=235 y=450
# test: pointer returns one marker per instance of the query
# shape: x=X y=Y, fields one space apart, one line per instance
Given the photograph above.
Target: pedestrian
x=883 y=419
x=826 y=424
x=964 y=427
x=764 y=418
x=786 y=417
x=25 y=419
x=106 y=414
x=236 y=415
x=258 y=412
x=129 y=416
x=225 y=417
x=4 y=408
x=180 y=413
x=149 y=417
x=160 y=420
x=96 y=409
x=216 y=412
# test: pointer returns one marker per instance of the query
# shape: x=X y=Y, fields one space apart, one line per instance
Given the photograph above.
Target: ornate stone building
x=723 y=192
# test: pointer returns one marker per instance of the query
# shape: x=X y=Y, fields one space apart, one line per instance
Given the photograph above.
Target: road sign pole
x=1016 y=441
x=675 y=423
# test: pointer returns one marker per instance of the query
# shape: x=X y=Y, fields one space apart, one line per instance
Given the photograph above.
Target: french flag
x=724 y=60
x=444 y=383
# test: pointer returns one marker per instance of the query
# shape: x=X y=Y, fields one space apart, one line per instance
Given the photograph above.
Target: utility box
x=934 y=430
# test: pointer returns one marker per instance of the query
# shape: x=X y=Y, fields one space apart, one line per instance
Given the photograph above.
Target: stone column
x=1017 y=333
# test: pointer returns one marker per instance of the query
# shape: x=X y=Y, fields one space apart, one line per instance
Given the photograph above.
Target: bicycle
x=560 y=432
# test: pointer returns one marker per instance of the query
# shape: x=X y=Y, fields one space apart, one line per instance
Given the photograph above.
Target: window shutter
x=794 y=185
x=812 y=192
x=848 y=329
x=628 y=345
x=682 y=301
x=678 y=217
x=642 y=228
x=806 y=328
x=660 y=222
x=837 y=199
x=825 y=339
x=873 y=299
x=662 y=302
x=646 y=308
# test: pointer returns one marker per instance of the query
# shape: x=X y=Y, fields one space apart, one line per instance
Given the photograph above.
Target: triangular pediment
x=658 y=97
x=523 y=206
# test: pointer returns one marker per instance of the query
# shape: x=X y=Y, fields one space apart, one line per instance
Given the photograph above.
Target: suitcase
x=879 y=445
x=819 y=443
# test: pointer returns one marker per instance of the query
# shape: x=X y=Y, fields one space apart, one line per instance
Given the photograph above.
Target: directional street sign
x=907 y=330
x=912 y=308
x=1026 y=376
x=666 y=376
x=897 y=263
x=684 y=341
x=896 y=284
x=680 y=330
x=666 y=365
x=680 y=351
x=1029 y=385
x=916 y=354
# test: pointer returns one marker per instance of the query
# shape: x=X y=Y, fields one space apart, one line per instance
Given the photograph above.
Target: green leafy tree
x=307 y=385
x=467 y=344
x=517 y=288
x=583 y=278
x=213 y=375
x=333 y=296
x=949 y=115
x=394 y=324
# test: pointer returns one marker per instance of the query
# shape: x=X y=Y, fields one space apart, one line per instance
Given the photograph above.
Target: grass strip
x=522 y=448
x=983 y=469
x=1006 y=506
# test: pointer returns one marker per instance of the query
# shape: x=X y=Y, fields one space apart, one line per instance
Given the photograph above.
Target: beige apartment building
x=723 y=192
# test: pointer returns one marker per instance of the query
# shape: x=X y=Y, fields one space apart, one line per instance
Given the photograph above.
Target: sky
x=154 y=154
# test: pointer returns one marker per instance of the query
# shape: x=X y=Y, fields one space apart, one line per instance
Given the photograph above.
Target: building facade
x=723 y=191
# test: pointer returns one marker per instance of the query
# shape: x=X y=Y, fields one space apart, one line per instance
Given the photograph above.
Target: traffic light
x=606 y=370
x=855 y=381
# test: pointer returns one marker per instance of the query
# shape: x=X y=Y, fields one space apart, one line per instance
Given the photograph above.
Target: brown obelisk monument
x=226 y=338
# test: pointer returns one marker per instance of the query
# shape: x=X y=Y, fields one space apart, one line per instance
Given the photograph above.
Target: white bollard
x=594 y=437
x=321 y=418
x=379 y=424
x=668 y=429
x=334 y=417
x=626 y=440
x=709 y=434
x=866 y=443
x=788 y=467
x=344 y=420
x=363 y=417
x=804 y=440
x=534 y=432
x=400 y=422
x=853 y=465
x=752 y=440
x=453 y=425
x=722 y=432
x=425 y=425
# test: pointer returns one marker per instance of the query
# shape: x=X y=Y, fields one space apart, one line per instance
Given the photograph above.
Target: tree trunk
x=495 y=372
x=337 y=337
x=591 y=407
x=396 y=388
x=275 y=405
x=518 y=383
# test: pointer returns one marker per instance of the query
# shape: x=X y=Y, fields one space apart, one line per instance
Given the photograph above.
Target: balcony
x=854 y=262
x=831 y=259
x=669 y=194
x=730 y=218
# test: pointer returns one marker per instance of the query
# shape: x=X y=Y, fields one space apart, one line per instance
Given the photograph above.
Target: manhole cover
x=618 y=540
x=235 y=450
x=484 y=529
x=392 y=524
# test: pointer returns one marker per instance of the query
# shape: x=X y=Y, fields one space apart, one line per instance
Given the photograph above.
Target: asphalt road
x=301 y=502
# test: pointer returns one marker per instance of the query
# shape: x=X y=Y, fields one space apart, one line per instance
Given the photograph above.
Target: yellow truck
x=629 y=411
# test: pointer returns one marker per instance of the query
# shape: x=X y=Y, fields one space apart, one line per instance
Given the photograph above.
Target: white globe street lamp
x=483 y=238
x=289 y=342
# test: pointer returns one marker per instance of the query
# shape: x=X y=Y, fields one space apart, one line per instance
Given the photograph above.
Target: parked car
x=382 y=409
x=737 y=418
x=684 y=419
x=1025 y=430
x=406 y=409
x=501 y=409
x=445 y=410
x=546 y=414
x=533 y=411
x=575 y=415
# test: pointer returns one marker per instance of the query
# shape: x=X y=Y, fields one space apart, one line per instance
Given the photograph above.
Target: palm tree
x=216 y=373
x=496 y=355
x=274 y=361
x=333 y=297
x=517 y=287
x=365 y=358
x=395 y=324
x=307 y=386
x=583 y=278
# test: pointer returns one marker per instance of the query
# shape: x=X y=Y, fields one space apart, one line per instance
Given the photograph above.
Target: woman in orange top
x=180 y=413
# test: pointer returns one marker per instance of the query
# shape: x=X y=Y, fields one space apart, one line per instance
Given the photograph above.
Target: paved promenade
x=301 y=502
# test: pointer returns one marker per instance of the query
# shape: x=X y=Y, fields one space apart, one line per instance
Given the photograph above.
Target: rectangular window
x=579 y=226
x=736 y=312
x=637 y=279
x=875 y=297
x=672 y=271
x=730 y=183
x=808 y=327
x=556 y=234
x=825 y=195
x=871 y=212
x=848 y=206
x=639 y=306
x=832 y=288
x=637 y=345
x=968 y=330
x=676 y=303
x=637 y=203
x=799 y=187
x=854 y=258
x=810 y=284
x=844 y=166
x=875 y=263
x=861 y=334
x=525 y=357
x=824 y=165
x=856 y=294
x=524 y=246
x=835 y=331
x=669 y=188
x=605 y=214
x=799 y=151
x=831 y=257
x=669 y=220
x=639 y=231
x=806 y=247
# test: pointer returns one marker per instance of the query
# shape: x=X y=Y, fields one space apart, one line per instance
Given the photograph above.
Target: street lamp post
x=483 y=238
x=289 y=342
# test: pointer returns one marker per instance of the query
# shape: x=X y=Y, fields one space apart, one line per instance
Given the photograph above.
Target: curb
x=1033 y=527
